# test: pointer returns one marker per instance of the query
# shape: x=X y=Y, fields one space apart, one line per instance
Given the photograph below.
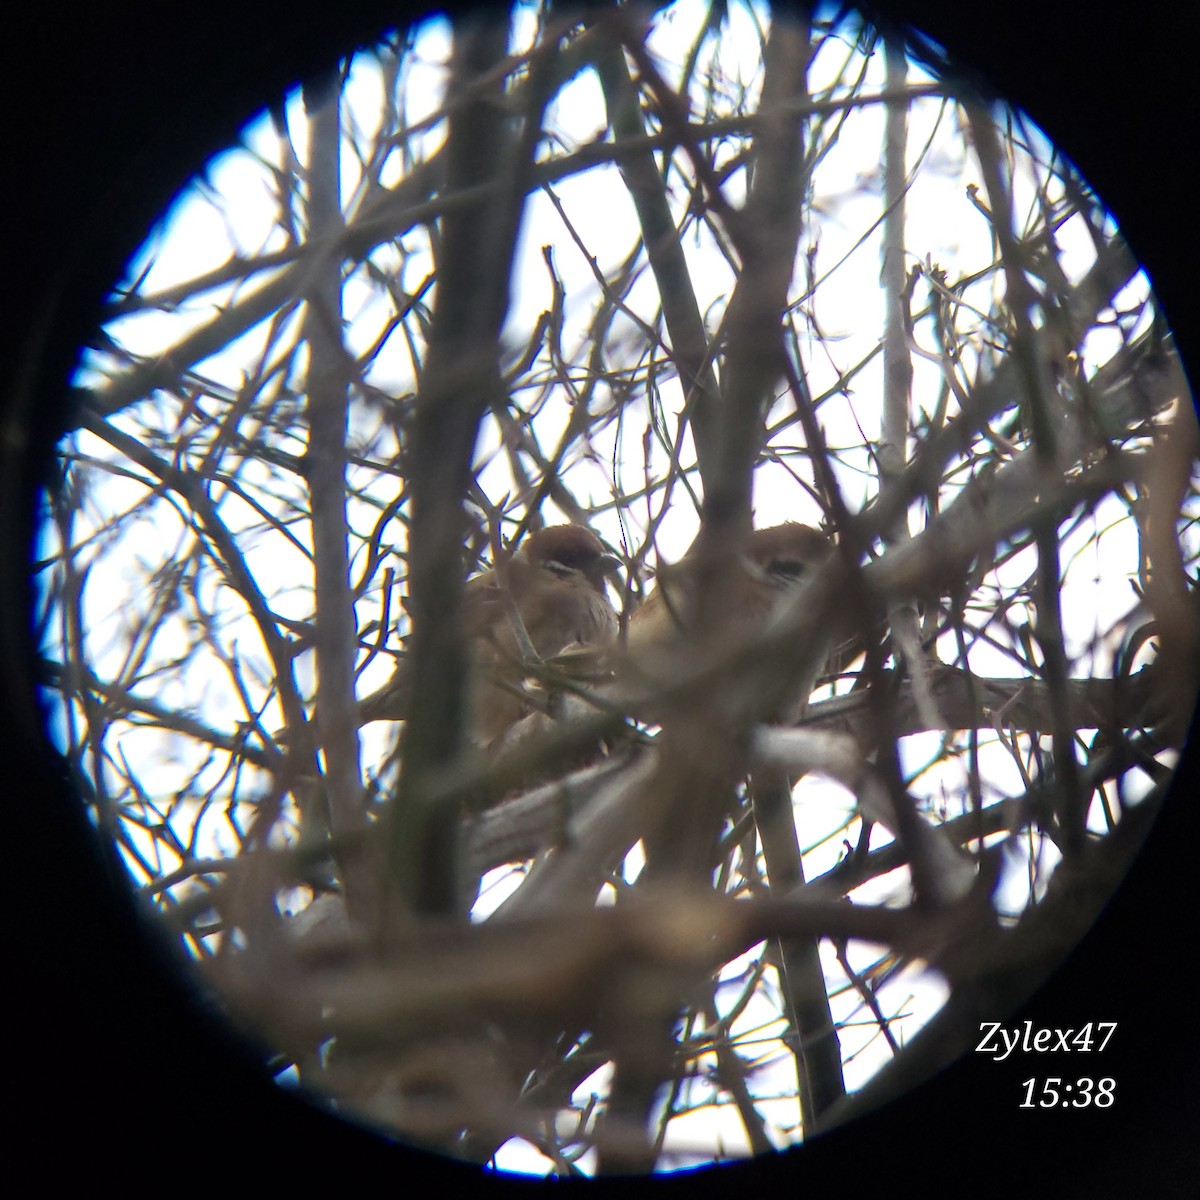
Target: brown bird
x=776 y=560
x=706 y=694
x=546 y=604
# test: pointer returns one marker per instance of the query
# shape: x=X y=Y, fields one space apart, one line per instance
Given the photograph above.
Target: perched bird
x=685 y=671
x=549 y=599
x=776 y=559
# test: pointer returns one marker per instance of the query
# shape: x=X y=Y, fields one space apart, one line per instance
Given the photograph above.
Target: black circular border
x=115 y=1065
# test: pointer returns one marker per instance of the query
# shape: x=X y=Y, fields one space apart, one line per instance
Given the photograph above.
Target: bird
x=661 y=638
x=549 y=599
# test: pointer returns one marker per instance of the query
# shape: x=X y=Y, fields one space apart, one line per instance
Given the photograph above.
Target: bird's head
x=570 y=551
x=783 y=555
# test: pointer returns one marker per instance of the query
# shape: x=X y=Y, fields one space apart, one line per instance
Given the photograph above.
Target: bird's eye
x=790 y=569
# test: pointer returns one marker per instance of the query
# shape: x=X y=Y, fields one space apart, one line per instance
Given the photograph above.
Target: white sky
x=233 y=207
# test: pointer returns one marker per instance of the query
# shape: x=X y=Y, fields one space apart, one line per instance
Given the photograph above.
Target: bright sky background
x=233 y=207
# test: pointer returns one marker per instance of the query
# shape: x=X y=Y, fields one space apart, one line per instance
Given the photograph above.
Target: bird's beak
x=608 y=564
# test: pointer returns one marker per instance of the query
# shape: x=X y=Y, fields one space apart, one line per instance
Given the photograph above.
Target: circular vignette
x=71 y=912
